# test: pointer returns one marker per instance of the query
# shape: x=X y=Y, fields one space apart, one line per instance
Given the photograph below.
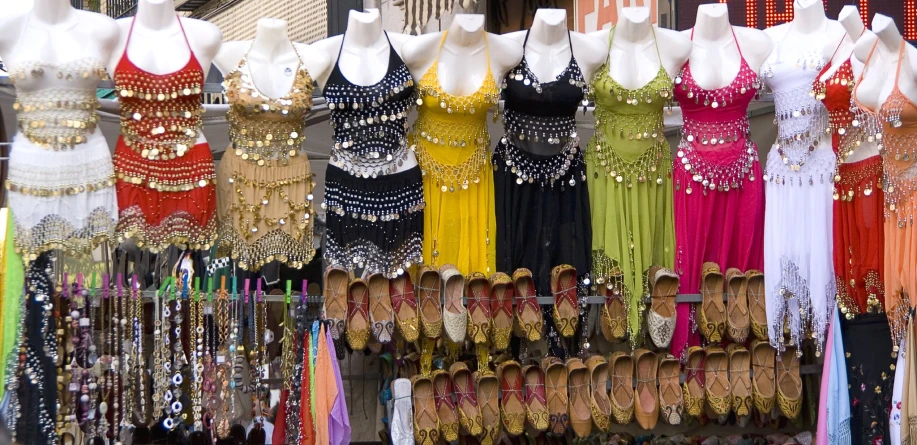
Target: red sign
x=766 y=13
x=593 y=15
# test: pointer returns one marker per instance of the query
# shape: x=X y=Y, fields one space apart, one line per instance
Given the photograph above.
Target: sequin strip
x=32 y=190
x=55 y=232
x=364 y=254
x=546 y=171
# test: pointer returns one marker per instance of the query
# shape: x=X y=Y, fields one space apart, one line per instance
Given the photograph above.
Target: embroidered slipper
x=357 y=318
x=502 y=292
x=404 y=304
x=661 y=317
x=621 y=373
x=566 y=311
x=529 y=319
x=737 y=321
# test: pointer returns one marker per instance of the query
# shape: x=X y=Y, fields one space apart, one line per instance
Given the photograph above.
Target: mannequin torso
x=634 y=41
x=272 y=58
x=878 y=81
x=548 y=50
x=716 y=57
x=463 y=55
x=809 y=26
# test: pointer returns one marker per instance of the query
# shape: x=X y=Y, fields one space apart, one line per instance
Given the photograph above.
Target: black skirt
x=540 y=226
x=870 y=376
x=375 y=224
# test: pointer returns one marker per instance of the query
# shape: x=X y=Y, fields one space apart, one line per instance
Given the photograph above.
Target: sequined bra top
x=836 y=92
x=370 y=122
x=266 y=131
x=459 y=122
x=56 y=103
x=160 y=113
x=714 y=120
x=629 y=143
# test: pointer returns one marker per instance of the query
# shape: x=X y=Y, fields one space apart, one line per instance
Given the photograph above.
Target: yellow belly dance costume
x=630 y=165
x=452 y=146
x=264 y=188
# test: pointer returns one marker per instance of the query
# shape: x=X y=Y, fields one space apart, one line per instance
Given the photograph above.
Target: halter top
x=160 y=113
x=370 y=122
x=715 y=120
x=836 y=93
x=542 y=112
x=629 y=143
x=267 y=131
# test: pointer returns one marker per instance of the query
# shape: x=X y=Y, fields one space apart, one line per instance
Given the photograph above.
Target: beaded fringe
x=55 y=232
x=180 y=229
x=274 y=245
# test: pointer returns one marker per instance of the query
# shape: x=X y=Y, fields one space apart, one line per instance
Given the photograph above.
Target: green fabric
x=13 y=280
x=629 y=164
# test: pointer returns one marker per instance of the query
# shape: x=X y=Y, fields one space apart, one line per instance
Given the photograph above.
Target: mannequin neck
x=711 y=27
x=156 y=14
x=809 y=16
x=460 y=34
x=271 y=38
x=853 y=25
x=52 y=12
x=632 y=31
x=889 y=36
x=363 y=29
x=546 y=33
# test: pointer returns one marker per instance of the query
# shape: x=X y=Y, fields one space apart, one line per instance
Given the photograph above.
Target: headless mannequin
x=462 y=58
x=715 y=58
x=364 y=53
x=879 y=81
x=548 y=50
x=272 y=58
x=634 y=43
x=158 y=45
x=808 y=24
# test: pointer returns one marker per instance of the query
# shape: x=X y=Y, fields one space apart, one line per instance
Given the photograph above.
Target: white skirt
x=799 y=275
x=62 y=199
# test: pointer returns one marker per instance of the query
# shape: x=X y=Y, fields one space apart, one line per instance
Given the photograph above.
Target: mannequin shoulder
x=588 y=49
x=316 y=62
x=398 y=41
x=103 y=28
x=516 y=36
x=836 y=34
x=602 y=34
x=910 y=57
x=207 y=37
x=864 y=46
x=674 y=44
x=505 y=53
x=755 y=44
x=778 y=32
x=420 y=52
x=13 y=24
x=230 y=54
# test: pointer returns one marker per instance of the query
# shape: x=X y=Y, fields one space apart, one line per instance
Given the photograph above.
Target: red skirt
x=166 y=202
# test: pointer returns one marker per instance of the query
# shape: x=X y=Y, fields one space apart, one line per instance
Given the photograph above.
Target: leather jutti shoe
x=736 y=305
x=757 y=311
x=740 y=382
x=711 y=314
x=477 y=291
x=613 y=314
x=335 y=293
x=789 y=384
x=646 y=403
x=598 y=392
x=660 y=319
x=455 y=316
x=512 y=405
x=405 y=306
x=502 y=292
x=763 y=358
x=580 y=404
x=488 y=390
x=381 y=313
x=716 y=380
x=555 y=375
x=426 y=421
x=445 y=408
x=671 y=399
x=566 y=312
x=431 y=316
x=466 y=399
x=694 y=385
x=536 y=401
x=357 y=315
x=621 y=372
x=528 y=313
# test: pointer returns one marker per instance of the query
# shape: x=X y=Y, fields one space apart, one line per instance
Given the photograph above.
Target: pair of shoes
x=671 y=399
x=646 y=402
x=613 y=314
x=556 y=392
x=477 y=291
x=503 y=290
x=716 y=380
x=529 y=319
x=693 y=389
x=740 y=381
x=455 y=315
x=764 y=383
x=431 y=316
x=566 y=311
x=789 y=384
x=621 y=372
x=757 y=310
x=661 y=317
x=711 y=314
x=601 y=404
x=364 y=305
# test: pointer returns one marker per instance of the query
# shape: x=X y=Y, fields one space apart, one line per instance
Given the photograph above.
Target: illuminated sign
x=593 y=15
x=767 y=13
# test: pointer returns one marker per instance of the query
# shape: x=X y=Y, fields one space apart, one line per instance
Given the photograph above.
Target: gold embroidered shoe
x=466 y=399
x=736 y=305
x=405 y=306
x=740 y=382
x=426 y=422
x=488 y=389
x=431 y=316
x=716 y=380
x=529 y=320
x=763 y=357
x=357 y=318
x=381 y=313
x=566 y=312
x=693 y=388
x=711 y=314
x=555 y=375
x=502 y=292
x=580 y=402
x=621 y=370
x=671 y=400
x=646 y=402
x=445 y=408
x=757 y=311
x=512 y=407
x=536 y=402
x=789 y=384
x=455 y=316
x=477 y=291
x=336 y=289
x=660 y=319
x=613 y=314
x=598 y=380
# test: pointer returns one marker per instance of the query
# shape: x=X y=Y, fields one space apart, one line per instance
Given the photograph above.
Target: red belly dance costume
x=165 y=183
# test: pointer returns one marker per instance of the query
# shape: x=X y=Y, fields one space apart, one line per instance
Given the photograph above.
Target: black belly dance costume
x=374 y=212
x=542 y=202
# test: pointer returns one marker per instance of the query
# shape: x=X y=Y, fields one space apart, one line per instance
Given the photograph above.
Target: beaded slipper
x=431 y=316
x=336 y=281
x=426 y=421
x=763 y=358
x=661 y=317
x=445 y=408
x=671 y=399
x=789 y=384
x=501 y=309
x=598 y=380
x=693 y=389
x=488 y=389
x=357 y=317
x=563 y=286
x=711 y=314
x=736 y=305
x=528 y=313
x=536 y=402
x=466 y=399
x=479 y=314
x=740 y=381
x=405 y=306
x=716 y=379
x=580 y=404
x=455 y=316
x=621 y=370
x=512 y=406
x=381 y=314
x=757 y=312
x=613 y=314
x=556 y=392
